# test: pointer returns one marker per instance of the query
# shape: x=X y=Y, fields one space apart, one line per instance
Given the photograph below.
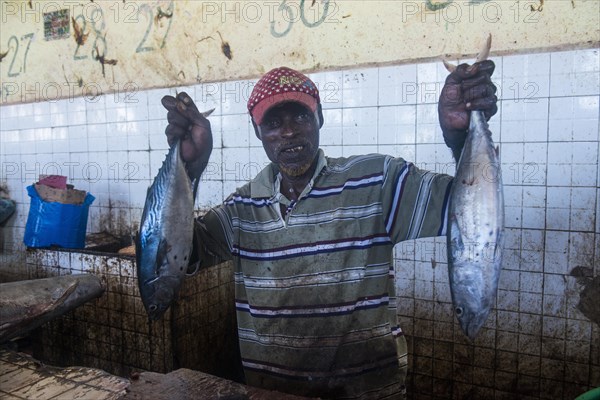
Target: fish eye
x=458 y=311
x=153 y=307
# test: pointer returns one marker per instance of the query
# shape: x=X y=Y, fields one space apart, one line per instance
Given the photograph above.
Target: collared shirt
x=314 y=289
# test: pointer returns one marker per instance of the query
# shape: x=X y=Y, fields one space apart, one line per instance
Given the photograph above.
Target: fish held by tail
x=165 y=239
x=475 y=224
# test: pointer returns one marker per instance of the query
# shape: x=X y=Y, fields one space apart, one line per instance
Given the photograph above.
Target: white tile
x=77 y=118
x=535 y=154
x=137 y=192
x=96 y=130
x=359 y=126
x=560 y=153
x=96 y=167
x=236 y=130
x=210 y=194
x=95 y=116
x=138 y=166
x=135 y=97
x=330 y=85
x=559 y=174
x=116 y=114
x=137 y=135
x=533 y=218
x=524 y=121
x=216 y=127
x=213 y=171
x=582 y=220
x=512 y=153
x=10 y=111
x=100 y=189
x=557 y=218
x=10 y=123
x=575 y=73
x=42 y=120
x=24 y=110
x=586 y=111
x=583 y=198
x=513 y=196
x=235 y=165
x=137 y=113
x=360 y=88
x=207 y=96
x=156 y=160
x=331 y=131
x=156 y=135
x=397 y=125
x=43 y=134
x=430 y=81
x=512 y=217
x=558 y=197
x=526 y=77
x=234 y=96
x=428 y=127
x=573 y=118
x=534 y=196
x=585 y=152
x=398 y=85
x=585 y=175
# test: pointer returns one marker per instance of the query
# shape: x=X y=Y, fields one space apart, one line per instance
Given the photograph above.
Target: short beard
x=296 y=171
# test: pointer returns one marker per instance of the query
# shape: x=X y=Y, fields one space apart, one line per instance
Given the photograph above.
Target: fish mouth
x=156 y=311
x=471 y=327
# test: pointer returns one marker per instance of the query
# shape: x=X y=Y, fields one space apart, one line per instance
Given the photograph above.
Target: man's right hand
x=187 y=124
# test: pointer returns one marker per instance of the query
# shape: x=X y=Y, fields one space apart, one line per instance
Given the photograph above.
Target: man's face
x=290 y=136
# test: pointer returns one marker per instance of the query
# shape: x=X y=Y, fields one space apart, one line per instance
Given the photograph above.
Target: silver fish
x=26 y=305
x=475 y=226
x=164 y=243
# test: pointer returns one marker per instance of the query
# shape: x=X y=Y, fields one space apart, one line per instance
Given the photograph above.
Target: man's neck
x=293 y=186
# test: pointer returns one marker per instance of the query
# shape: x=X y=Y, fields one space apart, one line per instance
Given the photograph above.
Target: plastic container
x=56 y=224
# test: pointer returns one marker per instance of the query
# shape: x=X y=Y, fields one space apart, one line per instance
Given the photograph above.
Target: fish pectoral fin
x=161 y=254
x=498 y=245
x=456 y=242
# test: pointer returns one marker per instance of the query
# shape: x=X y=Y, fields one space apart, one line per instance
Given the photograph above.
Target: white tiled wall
x=547 y=128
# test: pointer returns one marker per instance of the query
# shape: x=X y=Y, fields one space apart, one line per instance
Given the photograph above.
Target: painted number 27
x=13 y=42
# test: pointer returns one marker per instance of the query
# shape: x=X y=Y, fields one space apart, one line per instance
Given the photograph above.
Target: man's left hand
x=467 y=88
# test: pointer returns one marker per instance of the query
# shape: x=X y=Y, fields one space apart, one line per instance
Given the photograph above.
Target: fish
x=164 y=242
x=475 y=232
x=26 y=305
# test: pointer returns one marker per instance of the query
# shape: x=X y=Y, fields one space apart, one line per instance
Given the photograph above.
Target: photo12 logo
x=12 y=92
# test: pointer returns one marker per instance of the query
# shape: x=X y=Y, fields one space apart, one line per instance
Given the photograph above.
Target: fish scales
x=164 y=243
x=475 y=228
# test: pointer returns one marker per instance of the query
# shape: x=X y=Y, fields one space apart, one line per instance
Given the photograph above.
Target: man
x=311 y=238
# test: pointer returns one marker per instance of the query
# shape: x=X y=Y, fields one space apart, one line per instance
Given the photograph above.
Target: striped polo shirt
x=314 y=289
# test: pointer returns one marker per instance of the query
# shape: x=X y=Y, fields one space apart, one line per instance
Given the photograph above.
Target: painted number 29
x=149 y=14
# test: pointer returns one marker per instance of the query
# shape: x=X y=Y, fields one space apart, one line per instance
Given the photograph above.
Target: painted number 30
x=289 y=15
